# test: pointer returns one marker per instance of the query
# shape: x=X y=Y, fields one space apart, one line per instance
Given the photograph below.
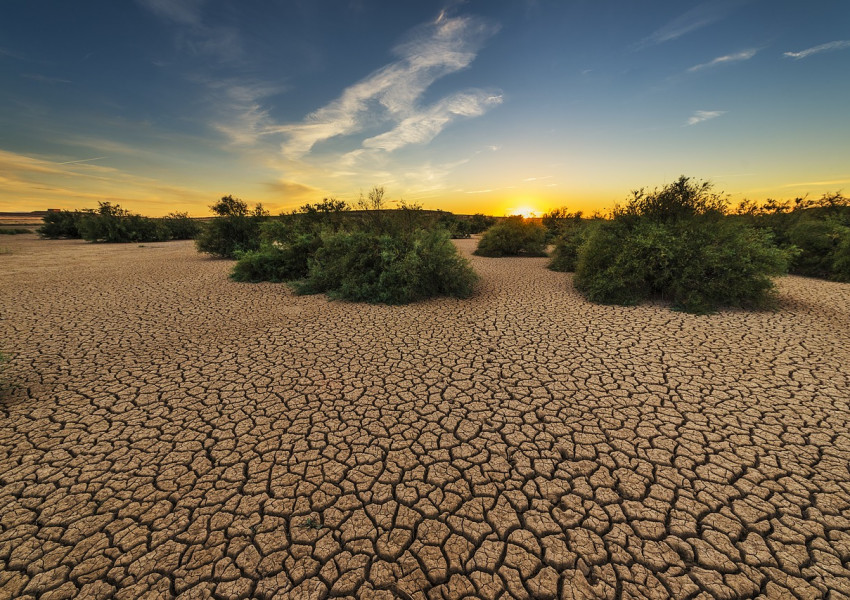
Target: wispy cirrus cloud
x=704 y=115
x=392 y=92
x=423 y=126
x=828 y=47
x=726 y=59
x=698 y=17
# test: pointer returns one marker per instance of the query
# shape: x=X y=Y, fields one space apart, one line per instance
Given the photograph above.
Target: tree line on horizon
x=682 y=243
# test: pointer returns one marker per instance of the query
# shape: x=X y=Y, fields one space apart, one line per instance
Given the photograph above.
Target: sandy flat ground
x=178 y=434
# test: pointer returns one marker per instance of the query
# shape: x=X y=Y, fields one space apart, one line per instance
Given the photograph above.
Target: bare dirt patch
x=173 y=433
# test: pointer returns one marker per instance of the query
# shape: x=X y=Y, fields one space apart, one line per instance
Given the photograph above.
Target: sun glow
x=525 y=210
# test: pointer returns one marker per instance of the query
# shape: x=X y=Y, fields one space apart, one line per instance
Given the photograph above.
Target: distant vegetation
x=14 y=231
x=514 y=236
x=367 y=255
x=817 y=232
x=112 y=224
x=236 y=230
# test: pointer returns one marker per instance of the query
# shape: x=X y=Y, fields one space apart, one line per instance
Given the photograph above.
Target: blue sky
x=479 y=106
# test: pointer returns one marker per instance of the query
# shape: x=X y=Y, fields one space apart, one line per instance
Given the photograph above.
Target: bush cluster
x=514 y=236
x=676 y=244
x=113 y=224
x=366 y=266
x=369 y=255
x=817 y=232
x=14 y=230
x=571 y=236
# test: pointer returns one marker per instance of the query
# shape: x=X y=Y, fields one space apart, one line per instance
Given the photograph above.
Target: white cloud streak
x=828 y=47
x=392 y=92
x=704 y=115
x=721 y=60
x=424 y=126
x=696 y=18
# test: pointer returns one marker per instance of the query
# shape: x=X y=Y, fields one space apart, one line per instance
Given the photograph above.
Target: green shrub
x=567 y=244
x=61 y=224
x=513 y=237
x=558 y=221
x=277 y=261
x=818 y=242
x=179 y=226
x=14 y=231
x=698 y=265
x=367 y=266
x=841 y=258
x=675 y=244
x=479 y=223
x=236 y=229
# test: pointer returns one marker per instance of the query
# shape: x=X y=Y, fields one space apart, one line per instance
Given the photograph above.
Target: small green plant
x=514 y=236
x=311 y=523
x=14 y=231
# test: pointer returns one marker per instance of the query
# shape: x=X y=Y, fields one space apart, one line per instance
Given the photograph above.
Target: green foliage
x=679 y=200
x=572 y=235
x=812 y=230
x=179 y=226
x=675 y=244
x=369 y=266
x=479 y=223
x=112 y=224
x=841 y=258
x=513 y=237
x=61 y=224
x=235 y=230
x=558 y=220
x=458 y=228
x=277 y=261
x=14 y=231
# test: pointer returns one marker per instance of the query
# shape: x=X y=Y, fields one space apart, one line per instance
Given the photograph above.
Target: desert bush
x=559 y=220
x=675 y=244
x=479 y=223
x=567 y=244
x=513 y=237
x=369 y=266
x=235 y=229
x=458 y=228
x=841 y=258
x=277 y=261
x=112 y=224
x=14 y=231
x=61 y=224
x=179 y=226
x=817 y=241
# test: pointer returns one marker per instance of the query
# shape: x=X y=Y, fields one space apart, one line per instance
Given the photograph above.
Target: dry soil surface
x=176 y=434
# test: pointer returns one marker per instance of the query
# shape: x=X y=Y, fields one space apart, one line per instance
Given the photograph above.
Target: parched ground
x=176 y=434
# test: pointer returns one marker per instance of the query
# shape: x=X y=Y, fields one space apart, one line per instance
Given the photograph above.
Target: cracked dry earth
x=176 y=434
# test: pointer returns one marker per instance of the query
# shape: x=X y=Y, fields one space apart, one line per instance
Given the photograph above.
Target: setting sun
x=526 y=211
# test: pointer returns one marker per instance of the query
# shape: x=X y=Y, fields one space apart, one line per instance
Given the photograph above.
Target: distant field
x=31 y=219
x=174 y=431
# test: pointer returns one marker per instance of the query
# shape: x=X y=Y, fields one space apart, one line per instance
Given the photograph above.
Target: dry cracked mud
x=176 y=434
